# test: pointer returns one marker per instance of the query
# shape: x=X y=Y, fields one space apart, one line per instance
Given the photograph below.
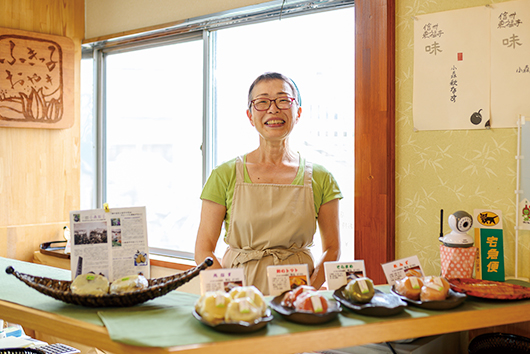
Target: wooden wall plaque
x=36 y=80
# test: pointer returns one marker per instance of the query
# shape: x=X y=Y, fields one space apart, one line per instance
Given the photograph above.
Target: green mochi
x=360 y=290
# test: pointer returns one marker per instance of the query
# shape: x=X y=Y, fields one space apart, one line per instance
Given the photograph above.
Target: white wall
x=110 y=17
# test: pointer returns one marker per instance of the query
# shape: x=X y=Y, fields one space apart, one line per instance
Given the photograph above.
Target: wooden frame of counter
x=318 y=339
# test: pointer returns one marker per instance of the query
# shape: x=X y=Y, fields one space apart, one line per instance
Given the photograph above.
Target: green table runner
x=176 y=325
x=168 y=321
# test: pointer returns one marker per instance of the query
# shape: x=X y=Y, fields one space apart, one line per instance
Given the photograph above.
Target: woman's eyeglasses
x=262 y=104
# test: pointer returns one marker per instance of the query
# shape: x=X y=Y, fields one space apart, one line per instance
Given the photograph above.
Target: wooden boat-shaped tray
x=60 y=289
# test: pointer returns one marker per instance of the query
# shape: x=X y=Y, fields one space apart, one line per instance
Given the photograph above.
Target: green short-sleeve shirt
x=220 y=185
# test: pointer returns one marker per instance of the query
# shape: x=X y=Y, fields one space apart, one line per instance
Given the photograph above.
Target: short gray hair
x=275 y=76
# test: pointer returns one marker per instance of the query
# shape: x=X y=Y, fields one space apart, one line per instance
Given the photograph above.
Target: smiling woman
x=320 y=59
x=270 y=198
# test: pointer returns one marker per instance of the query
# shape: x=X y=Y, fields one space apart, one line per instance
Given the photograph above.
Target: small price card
x=221 y=279
x=402 y=268
x=287 y=277
x=340 y=273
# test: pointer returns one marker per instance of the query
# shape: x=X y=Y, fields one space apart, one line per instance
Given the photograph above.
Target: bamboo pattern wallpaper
x=449 y=170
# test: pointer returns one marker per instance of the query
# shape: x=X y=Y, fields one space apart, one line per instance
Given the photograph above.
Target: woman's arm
x=328 y=223
x=212 y=217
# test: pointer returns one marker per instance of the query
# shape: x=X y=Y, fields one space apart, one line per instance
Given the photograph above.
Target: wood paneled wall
x=40 y=168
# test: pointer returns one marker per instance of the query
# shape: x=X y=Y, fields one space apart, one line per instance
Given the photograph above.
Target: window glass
x=154 y=133
x=320 y=60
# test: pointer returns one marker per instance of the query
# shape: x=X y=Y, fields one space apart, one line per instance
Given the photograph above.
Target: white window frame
x=202 y=28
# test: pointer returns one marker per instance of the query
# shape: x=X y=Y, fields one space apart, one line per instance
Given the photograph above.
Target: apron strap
x=308 y=173
x=240 y=170
x=278 y=254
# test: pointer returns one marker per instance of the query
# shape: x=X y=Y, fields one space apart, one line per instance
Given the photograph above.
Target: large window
x=153 y=138
x=168 y=110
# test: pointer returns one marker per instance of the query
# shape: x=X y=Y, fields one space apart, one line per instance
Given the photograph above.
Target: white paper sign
x=340 y=273
x=510 y=62
x=221 y=279
x=486 y=51
x=112 y=243
x=287 y=277
x=402 y=268
x=452 y=70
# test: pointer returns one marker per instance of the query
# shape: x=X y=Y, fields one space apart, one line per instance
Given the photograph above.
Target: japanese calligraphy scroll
x=36 y=80
x=471 y=67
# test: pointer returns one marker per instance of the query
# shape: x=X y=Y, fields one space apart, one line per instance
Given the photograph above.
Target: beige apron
x=271 y=224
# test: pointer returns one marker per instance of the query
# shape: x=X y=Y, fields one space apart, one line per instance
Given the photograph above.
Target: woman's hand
x=212 y=217
x=328 y=223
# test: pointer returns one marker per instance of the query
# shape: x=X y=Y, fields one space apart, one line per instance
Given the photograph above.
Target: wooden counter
x=388 y=330
x=349 y=330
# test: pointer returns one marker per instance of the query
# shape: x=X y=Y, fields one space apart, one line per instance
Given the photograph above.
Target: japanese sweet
x=429 y=288
x=128 y=284
x=241 y=304
x=437 y=280
x=243 y=309
x=250 y=292
x=290 y=297
x=434 y=289
x=90 y=284
x=432 y=292
x=360 y=290
x=311 y=301
x=410 y=287
x=212 y=306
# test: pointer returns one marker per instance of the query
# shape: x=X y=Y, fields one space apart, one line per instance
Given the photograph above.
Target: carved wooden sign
x=36 y=80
